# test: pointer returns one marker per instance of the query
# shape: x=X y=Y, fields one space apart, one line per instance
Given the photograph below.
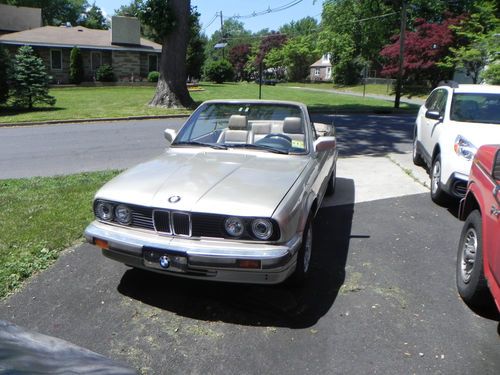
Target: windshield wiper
x=259 y=147
x=195 y=143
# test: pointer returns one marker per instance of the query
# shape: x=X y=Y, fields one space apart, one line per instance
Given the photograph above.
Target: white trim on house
x=52 y=59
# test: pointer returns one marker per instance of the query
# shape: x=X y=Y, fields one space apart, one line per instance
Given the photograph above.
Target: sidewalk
x=415 y=101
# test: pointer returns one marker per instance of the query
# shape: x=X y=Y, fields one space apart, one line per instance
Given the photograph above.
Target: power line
x=216 y=15
x=268 y=10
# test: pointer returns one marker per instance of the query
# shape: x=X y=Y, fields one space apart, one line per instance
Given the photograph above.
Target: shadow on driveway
x=256 y=305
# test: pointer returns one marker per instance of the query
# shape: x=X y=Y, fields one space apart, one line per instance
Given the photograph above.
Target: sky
x=229 y=8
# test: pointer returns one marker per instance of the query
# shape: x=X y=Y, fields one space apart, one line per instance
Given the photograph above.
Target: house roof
x=321 y=63
x=52 y=36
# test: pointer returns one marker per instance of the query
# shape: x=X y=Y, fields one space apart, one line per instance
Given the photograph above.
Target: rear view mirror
x=433 y=115
x=170 y=135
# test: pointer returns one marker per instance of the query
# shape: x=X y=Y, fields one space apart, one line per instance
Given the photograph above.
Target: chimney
x=125 y=30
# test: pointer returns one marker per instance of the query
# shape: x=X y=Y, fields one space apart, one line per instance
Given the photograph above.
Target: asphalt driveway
x=381 y=300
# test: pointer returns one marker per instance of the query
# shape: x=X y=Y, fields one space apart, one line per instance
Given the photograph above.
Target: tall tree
x=94 y=19
x=478 y=40
x=55 y=12
x=196 y=46
x=30 y=81
x=170 y=21
x=239 y=56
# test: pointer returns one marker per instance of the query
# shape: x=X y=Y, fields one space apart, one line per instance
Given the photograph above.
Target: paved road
x=382 y=299
x=47 y=150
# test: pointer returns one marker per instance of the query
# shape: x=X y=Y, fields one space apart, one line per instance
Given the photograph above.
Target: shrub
x=153 y=76
x=76 y=66
x=492 y=74
x=30 y=81
x=105 y=73
x=219 y=71
x=4 y=70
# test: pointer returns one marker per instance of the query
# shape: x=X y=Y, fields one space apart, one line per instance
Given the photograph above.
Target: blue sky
x=208 y=9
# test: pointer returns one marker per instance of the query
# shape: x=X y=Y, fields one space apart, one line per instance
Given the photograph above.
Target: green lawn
x=39 y=218
x=113 y=102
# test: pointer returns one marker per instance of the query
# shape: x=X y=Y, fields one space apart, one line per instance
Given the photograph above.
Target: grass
x=113 y=102
x=39 y=218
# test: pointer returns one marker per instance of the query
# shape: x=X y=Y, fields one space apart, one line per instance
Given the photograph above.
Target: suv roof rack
x=449 y=83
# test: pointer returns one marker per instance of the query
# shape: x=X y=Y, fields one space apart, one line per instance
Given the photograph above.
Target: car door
x=429 y=133
x=492 y=221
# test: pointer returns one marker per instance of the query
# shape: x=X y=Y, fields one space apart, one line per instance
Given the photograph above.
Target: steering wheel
x=277 y=140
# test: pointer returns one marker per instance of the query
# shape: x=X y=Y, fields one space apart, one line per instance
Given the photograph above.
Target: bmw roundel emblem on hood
x=174 y=199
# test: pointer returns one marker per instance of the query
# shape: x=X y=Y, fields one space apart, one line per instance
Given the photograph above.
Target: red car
x=478 y=259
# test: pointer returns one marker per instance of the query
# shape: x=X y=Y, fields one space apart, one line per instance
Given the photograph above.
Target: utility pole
x=401 y=55
x=222 y=33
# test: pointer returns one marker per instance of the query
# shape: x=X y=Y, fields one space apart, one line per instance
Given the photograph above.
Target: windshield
x=258 y=126
x=477 y=107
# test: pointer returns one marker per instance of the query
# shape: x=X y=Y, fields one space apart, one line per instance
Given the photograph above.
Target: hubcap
x=307 y=249
x=469 y=251
x=436 y=176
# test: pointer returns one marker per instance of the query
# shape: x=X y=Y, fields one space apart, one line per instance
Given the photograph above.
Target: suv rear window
x=475 y=107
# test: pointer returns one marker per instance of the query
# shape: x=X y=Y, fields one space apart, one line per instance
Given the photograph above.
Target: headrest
x=292 y=125
x=261 y=128
x=237 y=122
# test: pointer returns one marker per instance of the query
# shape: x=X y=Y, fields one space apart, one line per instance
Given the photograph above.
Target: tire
x=438 y=195
x=330 y=188
x=471 y=283
x=303 y=267
x=417 y=158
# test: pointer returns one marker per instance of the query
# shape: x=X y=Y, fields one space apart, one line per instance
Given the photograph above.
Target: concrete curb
x=77 y=121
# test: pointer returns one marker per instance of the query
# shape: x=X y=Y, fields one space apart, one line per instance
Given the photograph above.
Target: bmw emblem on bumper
x=164 y=261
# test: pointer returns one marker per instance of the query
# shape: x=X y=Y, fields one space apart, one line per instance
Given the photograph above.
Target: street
x=381 y=300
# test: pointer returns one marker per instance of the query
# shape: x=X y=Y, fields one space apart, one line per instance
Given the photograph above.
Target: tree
x=424 y=49
x=94 y=19
x=75 y=66
x=55 y=12
x=478 y=39
x=170 y=23
x=219 y=71
x=4 y=70
x=239 y=55
x=492 y=74
x=30 y=81
x=195 y=56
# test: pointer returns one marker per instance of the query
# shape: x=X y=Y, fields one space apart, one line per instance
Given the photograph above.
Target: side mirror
x=496 y=167
x=433 y=115
x=324 y=129
x=325 y=143
x=170 y=135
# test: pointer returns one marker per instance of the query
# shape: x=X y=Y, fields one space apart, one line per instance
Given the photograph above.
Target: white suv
x=452 y=124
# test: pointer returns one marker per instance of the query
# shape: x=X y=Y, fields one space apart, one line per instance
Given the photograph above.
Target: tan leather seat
x=292 y=127
x=237 y=131
x=260 y=130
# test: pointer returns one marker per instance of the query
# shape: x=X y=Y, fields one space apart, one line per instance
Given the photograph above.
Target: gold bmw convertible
x=231 y=199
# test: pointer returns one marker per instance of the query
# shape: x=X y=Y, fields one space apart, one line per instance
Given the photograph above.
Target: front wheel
x=471 y=283
x=438 y=195
x=302 y=269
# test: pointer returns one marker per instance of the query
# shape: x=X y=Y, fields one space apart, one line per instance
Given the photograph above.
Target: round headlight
x=234 y=226
x=123 y=214
x=104 y=211
x=262 y=229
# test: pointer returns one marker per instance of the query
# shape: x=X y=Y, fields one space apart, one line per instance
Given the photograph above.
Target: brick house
x=131 y=56
x=321 y=70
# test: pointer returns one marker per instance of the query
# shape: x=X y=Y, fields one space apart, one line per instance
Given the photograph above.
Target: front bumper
x=456 y=185
x=212 y=259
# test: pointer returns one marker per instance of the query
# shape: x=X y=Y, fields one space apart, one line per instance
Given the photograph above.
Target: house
x=131 y=56
x=14 y=19
x=321 y=70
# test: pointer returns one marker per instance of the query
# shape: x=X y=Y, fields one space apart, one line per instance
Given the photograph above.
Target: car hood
x=478 y=134
x=217 y=181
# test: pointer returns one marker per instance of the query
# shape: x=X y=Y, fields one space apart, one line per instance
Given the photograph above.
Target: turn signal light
x=101 y=243
x=248 y=263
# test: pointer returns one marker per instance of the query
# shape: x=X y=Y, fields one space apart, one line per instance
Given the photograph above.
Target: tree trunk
x=171 y=91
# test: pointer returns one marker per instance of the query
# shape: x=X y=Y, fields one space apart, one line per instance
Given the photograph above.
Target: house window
x=55 y=59
x=152 y=63
x=328 y=72
x=96 y=60
x=317 y=71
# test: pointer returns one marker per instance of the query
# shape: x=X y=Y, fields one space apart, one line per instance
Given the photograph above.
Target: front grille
x=162 y=221
x=181 y=223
